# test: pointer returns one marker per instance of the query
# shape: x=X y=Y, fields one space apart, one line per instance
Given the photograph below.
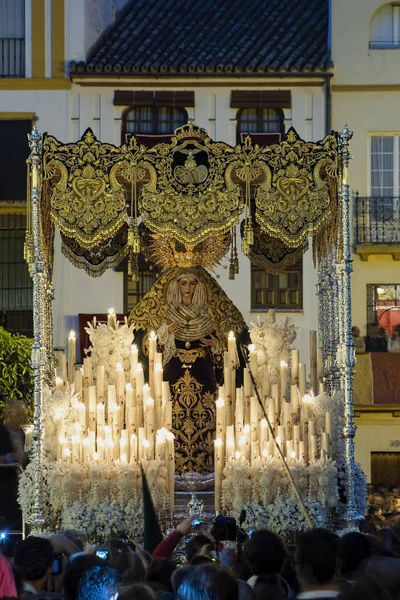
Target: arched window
x=153 y=120
x=385 y=27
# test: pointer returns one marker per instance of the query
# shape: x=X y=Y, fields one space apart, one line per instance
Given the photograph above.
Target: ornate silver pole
x=346 y=353
x=39 y=294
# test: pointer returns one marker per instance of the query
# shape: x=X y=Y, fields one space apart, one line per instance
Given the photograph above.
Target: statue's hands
x=211 y=341
x=172 y=327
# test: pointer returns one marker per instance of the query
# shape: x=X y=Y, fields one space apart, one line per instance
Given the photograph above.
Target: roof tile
x=214 y=36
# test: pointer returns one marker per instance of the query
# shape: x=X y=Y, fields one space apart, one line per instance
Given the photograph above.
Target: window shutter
x=141 y=98
x=261 y=99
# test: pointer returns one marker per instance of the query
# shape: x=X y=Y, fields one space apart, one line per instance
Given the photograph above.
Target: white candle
x=158 y=381
x=220 y=418
x=62 y=369
x=123 y=444
x=86 y=449
x=313 y=447
x=295 y=366
x=152 y=352
x=112 y=318
x=134 y=360
x=78 y=383
x=320 y=365
x=120 y=384
x=92 y=408
x=59 y=383
x=171 y=469
x=71 y=355
x=100 y=383
x=302 y=379
x=218 y=468
x=313 y=360
x=230 y=442
x=160 y=443
x=253 y=362
x=283 y=379
x=139 y=395
x=328 y=422
x=326 y=445
x=232 y=348
x=275 y=396
x=100 y=447
x=133 y=448
x=100 y=414
x=82 y=416
x=266 y=380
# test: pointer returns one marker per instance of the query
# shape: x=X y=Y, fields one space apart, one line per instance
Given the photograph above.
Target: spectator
x=33 y=558
x=8 y=588
x=12 y=442
x=128 y=564
x=159 y=573
x=265 y=553
x=272 y=587
x=316 y=564
x=208 y=583
x=353 y=549
x=358 y=341
x=137 y=591
x=365 y=587
x=373 y=341
x=99 y=583
x=393 y=344
x=75 y=570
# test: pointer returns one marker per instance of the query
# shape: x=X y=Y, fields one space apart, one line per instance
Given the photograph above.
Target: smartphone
x=57 y=566
x=197 y=522
x=101 y=553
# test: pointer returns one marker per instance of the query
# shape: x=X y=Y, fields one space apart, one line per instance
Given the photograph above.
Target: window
x=14 y=151
x=12 y=38
x=15 y=281
x=261 y=114
x=385 y=178
x=160 y=120
x=135 y=290
x=283 y=291
x=383 y=305
x=261 y=121
x=385 y=27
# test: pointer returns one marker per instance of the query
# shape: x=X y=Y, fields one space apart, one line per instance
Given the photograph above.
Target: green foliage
x=16 y=376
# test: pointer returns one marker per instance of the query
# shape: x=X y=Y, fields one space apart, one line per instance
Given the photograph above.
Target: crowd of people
x=322 y=565
x=376 y=340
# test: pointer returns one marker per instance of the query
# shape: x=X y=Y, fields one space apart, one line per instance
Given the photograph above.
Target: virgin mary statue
x=192 y=316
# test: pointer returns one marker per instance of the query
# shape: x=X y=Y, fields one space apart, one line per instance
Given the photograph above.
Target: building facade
x=366 y=95
x=115 y=67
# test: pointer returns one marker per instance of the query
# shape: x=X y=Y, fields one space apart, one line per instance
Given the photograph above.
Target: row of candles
x=243 y=432
x=128 y=422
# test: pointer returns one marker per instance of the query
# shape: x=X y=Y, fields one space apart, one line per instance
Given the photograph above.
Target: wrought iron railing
x=12 y=57
x=377 y=220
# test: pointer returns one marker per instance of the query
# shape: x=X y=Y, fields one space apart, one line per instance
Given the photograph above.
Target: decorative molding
x=35 y=83
x=364 y=252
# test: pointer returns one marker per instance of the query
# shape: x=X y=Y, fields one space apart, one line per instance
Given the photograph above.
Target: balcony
x=12 y=57
x=377 y=224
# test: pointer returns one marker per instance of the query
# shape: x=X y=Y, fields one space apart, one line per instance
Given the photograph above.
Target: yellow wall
x=355 y=63
x=374 y=436
x=38 y=38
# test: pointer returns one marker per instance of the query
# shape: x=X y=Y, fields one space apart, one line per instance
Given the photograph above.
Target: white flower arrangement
x=110 y=346
x=274 y=342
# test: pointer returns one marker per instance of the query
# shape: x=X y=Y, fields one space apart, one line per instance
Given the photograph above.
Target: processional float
x=179 y=203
